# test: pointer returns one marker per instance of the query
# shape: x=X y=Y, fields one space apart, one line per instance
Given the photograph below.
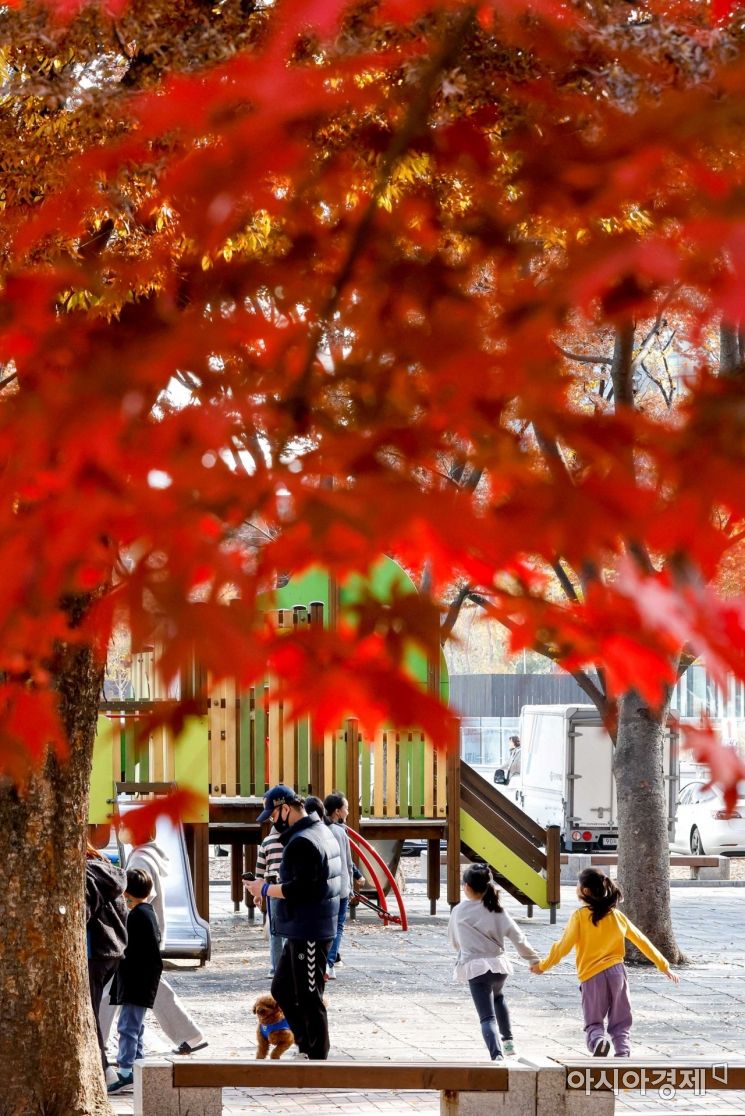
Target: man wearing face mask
x=306 y=909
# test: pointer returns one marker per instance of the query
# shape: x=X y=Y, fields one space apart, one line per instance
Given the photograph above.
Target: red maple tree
x=315 y=265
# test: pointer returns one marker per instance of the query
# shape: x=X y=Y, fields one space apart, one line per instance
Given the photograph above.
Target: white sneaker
x=508 y=1048
x=330 y=974
x=111 y=1075
x=298 y=1056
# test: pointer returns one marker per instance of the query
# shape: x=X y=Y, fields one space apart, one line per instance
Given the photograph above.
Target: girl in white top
x=478 y=928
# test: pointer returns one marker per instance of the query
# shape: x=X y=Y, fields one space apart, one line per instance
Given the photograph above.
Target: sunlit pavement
x=395 y=999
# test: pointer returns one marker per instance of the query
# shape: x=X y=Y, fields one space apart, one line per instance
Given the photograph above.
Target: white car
x=701 y=825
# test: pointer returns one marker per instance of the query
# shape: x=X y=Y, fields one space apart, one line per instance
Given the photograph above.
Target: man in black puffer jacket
x=306 y=914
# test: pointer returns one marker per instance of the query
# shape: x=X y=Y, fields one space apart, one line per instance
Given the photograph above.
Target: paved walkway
x=395 y=999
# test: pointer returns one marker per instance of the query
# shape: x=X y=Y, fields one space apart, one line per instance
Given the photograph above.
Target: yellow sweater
x=599 y=947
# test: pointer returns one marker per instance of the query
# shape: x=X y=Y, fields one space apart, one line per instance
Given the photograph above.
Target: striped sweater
x=269 y=856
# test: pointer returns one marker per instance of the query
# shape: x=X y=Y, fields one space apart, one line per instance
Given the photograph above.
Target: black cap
x=275 y=797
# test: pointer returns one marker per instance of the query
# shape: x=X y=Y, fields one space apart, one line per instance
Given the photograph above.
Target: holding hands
x=535 y=968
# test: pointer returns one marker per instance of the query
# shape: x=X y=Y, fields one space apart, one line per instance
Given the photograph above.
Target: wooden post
x=353 y=773
x=433 y=873
x=453 y=818
x=553 y=869
x=452 y=768
x=236 y=869
x=316 y=778
x=198 y=850
x=249 y=865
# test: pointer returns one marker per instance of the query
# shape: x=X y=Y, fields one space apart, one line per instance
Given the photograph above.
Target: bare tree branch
x=555 y=461
x=564 y=580
x=453 y=612
x=583 y=358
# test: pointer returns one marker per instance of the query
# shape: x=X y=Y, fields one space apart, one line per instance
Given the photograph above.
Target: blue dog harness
x=266 y=1031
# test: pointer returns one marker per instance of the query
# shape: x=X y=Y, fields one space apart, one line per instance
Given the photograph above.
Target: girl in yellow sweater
x=598 y=932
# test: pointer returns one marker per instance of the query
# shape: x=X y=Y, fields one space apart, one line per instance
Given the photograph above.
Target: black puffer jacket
x=310 y=875
x=105 y=910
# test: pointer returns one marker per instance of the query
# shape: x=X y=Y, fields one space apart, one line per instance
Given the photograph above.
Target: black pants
x=298 y=989
x=486 y=991
x=99 y=975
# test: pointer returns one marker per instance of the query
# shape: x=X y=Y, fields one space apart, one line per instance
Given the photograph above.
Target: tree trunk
x=643 y=848
x=49 y=1059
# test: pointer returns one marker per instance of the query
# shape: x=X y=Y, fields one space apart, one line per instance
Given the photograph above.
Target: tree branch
x=453 y=612
x=565 y=581
x=583 y=680
x=555 y=461
x=581 y=358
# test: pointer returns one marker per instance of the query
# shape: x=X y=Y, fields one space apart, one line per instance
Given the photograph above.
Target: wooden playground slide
x=523 y=855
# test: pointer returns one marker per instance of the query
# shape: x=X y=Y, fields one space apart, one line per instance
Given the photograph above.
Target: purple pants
x=607 y=994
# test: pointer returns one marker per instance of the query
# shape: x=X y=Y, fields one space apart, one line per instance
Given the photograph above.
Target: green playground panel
x=503 y=859
x=191 y=766
x=102 y=771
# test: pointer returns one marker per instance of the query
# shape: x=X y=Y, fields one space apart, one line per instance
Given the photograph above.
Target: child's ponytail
x=599 y=893
x=479 y=879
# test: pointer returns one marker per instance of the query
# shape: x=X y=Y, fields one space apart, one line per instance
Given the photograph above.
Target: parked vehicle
x=415 y=846
x=702 y=825
x=565 y=774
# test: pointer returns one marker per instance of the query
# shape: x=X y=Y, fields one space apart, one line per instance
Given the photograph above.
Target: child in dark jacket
x=138 y=975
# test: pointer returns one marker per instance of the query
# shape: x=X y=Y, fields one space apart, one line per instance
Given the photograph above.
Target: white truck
x=562 y=774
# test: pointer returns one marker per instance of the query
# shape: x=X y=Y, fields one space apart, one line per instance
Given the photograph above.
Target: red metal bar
x=373 y=877
x=358 y=840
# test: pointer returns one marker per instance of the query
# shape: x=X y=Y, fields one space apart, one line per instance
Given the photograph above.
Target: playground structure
x=397 y=783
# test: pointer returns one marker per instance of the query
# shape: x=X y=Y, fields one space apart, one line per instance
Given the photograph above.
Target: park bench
x=169 y=1087
x=524 y=1087
x=716 y=867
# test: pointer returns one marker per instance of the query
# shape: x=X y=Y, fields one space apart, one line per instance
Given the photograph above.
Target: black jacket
x=310 y=874
x=105 y=910
x=138 y=975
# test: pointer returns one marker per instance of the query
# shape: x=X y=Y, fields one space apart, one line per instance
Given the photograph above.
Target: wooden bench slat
x=235 y=1074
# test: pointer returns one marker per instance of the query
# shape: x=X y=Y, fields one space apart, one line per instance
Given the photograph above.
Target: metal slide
x=187 y=933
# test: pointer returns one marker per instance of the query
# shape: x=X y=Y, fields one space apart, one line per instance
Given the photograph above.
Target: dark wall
x=503 y=695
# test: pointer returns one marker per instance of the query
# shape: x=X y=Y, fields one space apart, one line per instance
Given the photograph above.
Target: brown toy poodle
x=273 y=1029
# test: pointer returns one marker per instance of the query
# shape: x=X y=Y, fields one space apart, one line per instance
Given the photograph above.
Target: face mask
x=281 y=824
